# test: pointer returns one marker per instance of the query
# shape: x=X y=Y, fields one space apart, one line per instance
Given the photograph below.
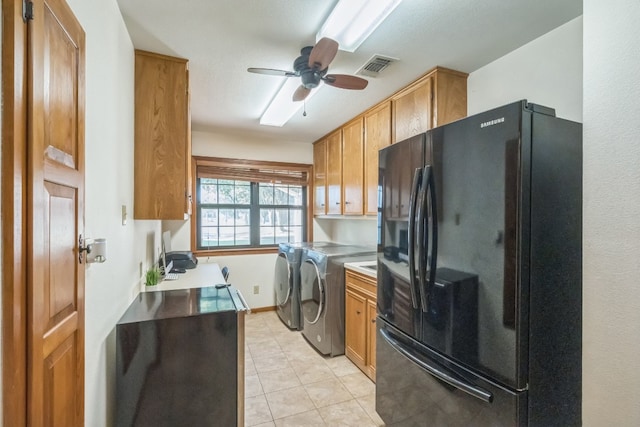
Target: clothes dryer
x=322 y=291
x=287 y=280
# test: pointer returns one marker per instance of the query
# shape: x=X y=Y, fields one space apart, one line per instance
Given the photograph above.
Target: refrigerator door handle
x=433 y=216
x=411 y=241
x=423 y=239
x=438 y=372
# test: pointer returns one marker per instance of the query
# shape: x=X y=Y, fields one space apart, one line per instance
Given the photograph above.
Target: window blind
x=254 y=171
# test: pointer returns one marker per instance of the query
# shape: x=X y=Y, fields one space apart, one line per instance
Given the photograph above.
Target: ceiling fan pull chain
x=304 y=108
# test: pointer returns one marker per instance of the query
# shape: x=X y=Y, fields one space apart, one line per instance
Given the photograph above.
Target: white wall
x=238 y=147
x=357 y=231
x=546 y=71
x=111 y=286
x=611 y=346
x=247 y=271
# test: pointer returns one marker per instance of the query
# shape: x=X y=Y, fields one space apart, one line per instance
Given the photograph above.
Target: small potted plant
x=153 y=276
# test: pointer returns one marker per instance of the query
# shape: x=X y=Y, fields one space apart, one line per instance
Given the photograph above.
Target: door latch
x=82 y=249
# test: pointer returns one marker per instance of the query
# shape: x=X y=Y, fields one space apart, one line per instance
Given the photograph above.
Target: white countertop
x=205 y=274
x=361 y=267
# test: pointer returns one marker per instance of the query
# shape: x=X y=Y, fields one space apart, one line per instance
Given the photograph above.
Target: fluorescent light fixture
x=282 y=107
x=352 y=21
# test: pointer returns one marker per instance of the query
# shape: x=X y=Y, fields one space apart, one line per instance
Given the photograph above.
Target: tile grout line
x=290 y=359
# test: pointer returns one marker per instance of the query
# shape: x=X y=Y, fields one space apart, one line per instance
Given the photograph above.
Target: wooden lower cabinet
x=360 y=321
x=371 y=337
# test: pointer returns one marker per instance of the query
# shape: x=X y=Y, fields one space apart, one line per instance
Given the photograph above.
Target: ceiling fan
x=312 y=66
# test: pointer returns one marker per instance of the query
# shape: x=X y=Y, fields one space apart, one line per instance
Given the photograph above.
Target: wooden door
x=319 y=178
x=352 y=168
x=55 y=155
x=334 y=173
x=355 y=336
x=377 y=135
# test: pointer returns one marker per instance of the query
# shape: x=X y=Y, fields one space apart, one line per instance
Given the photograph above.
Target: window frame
x=245 y=170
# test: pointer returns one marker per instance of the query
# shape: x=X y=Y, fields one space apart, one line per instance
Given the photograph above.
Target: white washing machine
x=287 y=280
x=322 y=294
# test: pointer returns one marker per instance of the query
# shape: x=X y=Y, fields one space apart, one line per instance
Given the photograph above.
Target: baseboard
x=262 y=309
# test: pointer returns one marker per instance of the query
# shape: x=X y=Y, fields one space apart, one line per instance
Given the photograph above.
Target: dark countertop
x=179 y=303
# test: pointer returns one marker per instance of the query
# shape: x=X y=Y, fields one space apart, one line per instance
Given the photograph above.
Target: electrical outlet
x=256 y=289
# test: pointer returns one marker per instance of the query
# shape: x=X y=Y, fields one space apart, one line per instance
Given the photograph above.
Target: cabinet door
x=352 y=168
x=188 y=193
x=371 y=338
x=412 y=111
x=377 y=135
x=355 y=328
x=162 y=144
x=319 y=178
x=334 y=173
x=449 y=97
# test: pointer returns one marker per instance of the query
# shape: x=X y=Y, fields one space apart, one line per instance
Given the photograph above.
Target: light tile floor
x=288 y=383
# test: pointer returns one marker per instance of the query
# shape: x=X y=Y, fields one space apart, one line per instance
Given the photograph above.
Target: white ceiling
x=222 y=38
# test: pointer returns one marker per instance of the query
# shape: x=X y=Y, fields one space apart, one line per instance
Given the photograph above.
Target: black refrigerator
x=480 y=273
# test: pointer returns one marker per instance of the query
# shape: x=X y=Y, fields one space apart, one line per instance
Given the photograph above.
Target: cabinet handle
x=322 y=204
x=357 y=311
x=337 y=203
x=373 y=320
x=347 y=203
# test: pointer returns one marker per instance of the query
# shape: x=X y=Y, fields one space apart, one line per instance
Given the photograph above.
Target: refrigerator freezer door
x=477 y=179
x=416 y=387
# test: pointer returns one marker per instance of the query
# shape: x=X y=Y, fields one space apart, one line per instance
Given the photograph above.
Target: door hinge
x=27 y=10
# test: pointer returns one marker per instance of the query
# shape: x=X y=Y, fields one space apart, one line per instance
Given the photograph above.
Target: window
x=245 y=205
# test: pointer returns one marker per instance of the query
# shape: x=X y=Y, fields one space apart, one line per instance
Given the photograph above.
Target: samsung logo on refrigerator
x=492 y=122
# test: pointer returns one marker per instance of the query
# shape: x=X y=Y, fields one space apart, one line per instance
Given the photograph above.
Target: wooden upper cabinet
x=412 y=111
x=377 y=135
x=320 y=177
x=437 y=98
x=353 y=167
x=162 y=153
x=351 y=152
x=334 y=172
x=449 y=97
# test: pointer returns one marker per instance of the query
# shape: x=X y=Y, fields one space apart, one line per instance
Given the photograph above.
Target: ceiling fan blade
x=323 y=53
x=271 y=72
x=301 y=93
x=345 y=81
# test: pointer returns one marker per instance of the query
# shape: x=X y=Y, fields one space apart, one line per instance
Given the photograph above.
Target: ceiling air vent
x=375 y=65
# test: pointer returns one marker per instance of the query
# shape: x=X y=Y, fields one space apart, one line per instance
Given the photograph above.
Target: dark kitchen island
x=180 y=359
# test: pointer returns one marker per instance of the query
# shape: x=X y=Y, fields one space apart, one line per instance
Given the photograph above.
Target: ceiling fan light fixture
x=281 y=109
x=352 y=21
